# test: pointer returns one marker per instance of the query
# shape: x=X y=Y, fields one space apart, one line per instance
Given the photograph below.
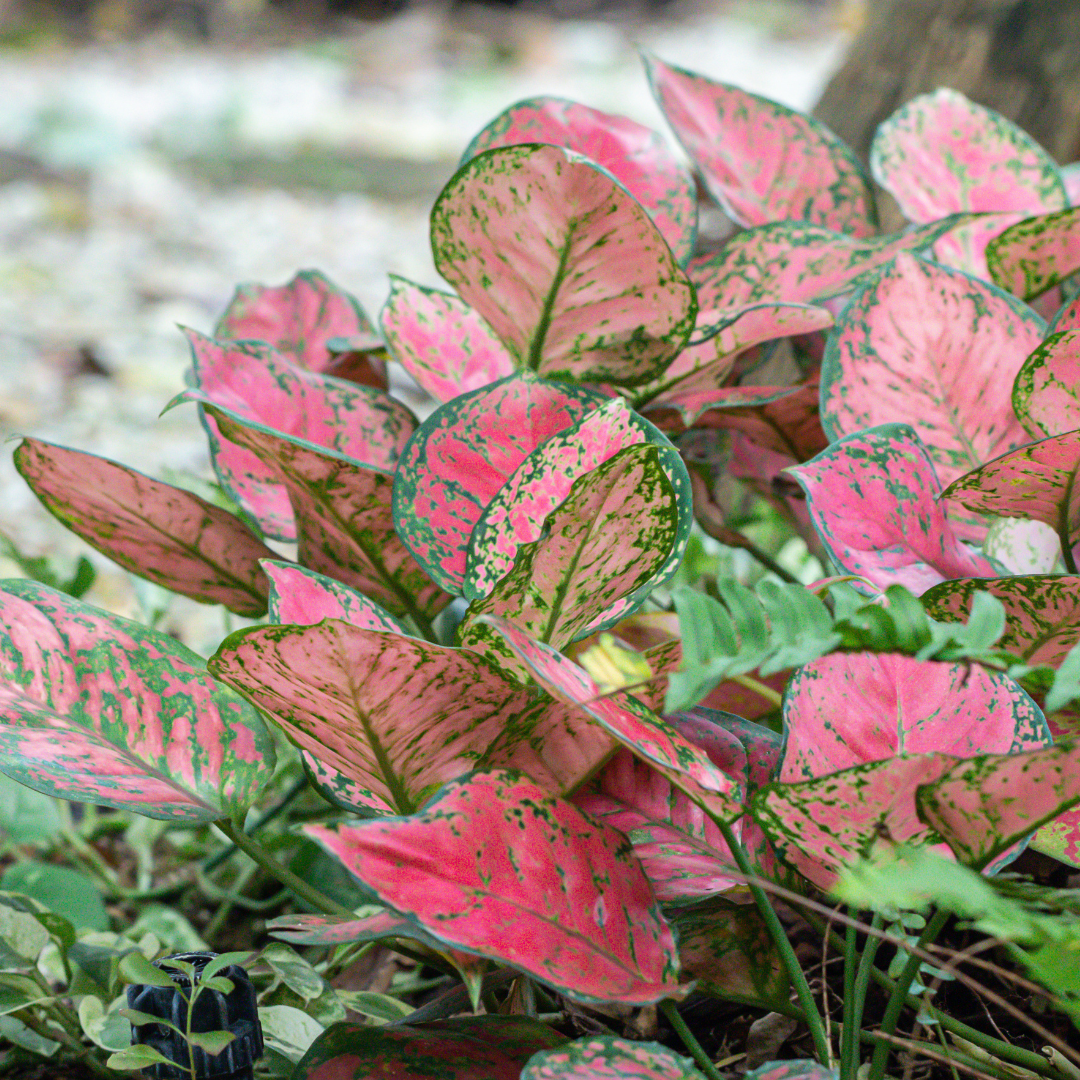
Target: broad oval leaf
x=1046 y=392
x=543 y=481
x=300 y=319
x=760 y=160
x=872 y=498
x=539 y=886
x=845 y=709
x=941 y=153
x=1042 y=612
x=99 y=709
x=301 y=597
x=463 y=453
x=563 y=264
x=634 y=154
x=160 y=532
x=1036 y=253
x=441 y=341
x=398 y=717
x=931 y=347
x=606 y=1057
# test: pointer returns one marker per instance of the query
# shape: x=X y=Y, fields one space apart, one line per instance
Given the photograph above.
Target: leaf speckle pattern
x=606 y=1057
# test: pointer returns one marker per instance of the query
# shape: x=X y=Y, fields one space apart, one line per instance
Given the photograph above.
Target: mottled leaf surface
x=441 y=341
x=302 y=597
x=544 y=888
x=635 y=155
x=796 y=1069
x=462 y=455
x=1046 y=393
x=1036 y=253
x=100 y=709
x=517 y=513
x=607 y=1057
x=1042 y=612
x=340 y=929
x=760 y=160
x=873 y=501
x=397 y=716
x=160 y=532
x=565 y=266
x=933 y=348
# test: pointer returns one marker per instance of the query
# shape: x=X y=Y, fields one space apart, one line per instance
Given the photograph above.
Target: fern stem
x=697 y=1051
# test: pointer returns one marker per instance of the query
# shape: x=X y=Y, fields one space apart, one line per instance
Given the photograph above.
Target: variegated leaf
x=344 y=518
x=465 y=1048
x=646 y=735
x=542 y=482
x=797 y=1069
x=873 y=501
x=964 y=247
x=760 y=160
x=927 y=346
x=607 y=1057
x=543 y=887
x=160 y=532
x=1046 y=392
x=1067 y=317
x=462 y=455
x=635 y=155
x=845 y=709
x=1036 y=253
x=100 y=709
x=342 y=929
x=300 y=320
x=397 y=717
x=1022 y=546
x=1060 y=837
x=941 y=153
x=563 y=264
x=1042 y=612
x=600 y=555
x=441 y=341
x=301 y=597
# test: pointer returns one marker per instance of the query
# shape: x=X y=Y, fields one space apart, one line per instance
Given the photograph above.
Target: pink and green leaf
x=933 y=348
x=544 y=888
x=300 y=320
x=160 y=532
x=563 y=264
x=100 y=709
x=872 y=497
x=396 y=717
x=1036 y=253
x=607 y=1057
x=941 y=153
x=760 y=160
x=441 y=341
x=464 y=452
x=634 y=154
x=301 y=597
x=796 y=1069
x=1046 y=392
x=965 y=247
x=1042 y=612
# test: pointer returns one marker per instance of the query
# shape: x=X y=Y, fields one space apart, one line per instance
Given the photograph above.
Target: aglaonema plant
x=516 y=782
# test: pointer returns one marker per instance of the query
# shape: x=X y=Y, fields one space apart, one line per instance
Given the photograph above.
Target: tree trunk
x=1020 y=57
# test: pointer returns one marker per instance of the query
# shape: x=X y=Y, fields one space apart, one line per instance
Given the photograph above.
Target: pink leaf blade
x=1045 y=393
x=160 y=532
x=607 y=1057
x=1037 y=253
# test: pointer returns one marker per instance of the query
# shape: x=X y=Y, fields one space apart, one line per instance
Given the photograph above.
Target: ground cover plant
x=505 y=716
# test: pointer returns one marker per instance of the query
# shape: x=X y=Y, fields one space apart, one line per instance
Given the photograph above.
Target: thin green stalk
x=848 y=1040
x=759 y=688
x=344 y=955
x=949 y=1056
x=787 y=954
x=264 y=819
x=862 y=984
x=697 y=1051
x=283 y=874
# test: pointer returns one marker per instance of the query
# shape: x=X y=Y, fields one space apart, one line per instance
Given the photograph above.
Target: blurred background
x=155 y=153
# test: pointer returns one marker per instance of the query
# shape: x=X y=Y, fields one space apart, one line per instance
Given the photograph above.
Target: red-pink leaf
x=927 y=346
x=497 y=866
x=300 y=320
x=302 y=597
x=155 y=530
x=1046 y=393
x=441 y=341
x=797 y=1069
x=761 y=160
x=605 y=1057
x=1067 y=317
x=397 y=717
x=462 y=455
x=635 y=155
x=845 y=709
x=99 y=709
x=964 y=247
x=941 y=153
x=1042 y=612
x=341 y=929
x=645 y=734
x=873 y=500
x=1036 y=253
x=563 y=264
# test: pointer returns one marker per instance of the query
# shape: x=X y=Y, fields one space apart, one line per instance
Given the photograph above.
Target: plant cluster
x=459 y=653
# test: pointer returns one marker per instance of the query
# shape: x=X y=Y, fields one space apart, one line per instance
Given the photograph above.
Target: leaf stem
x=758 y=687
x=860 y=982
x=283 y=874
x=697 y=1051
x=216 y=860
